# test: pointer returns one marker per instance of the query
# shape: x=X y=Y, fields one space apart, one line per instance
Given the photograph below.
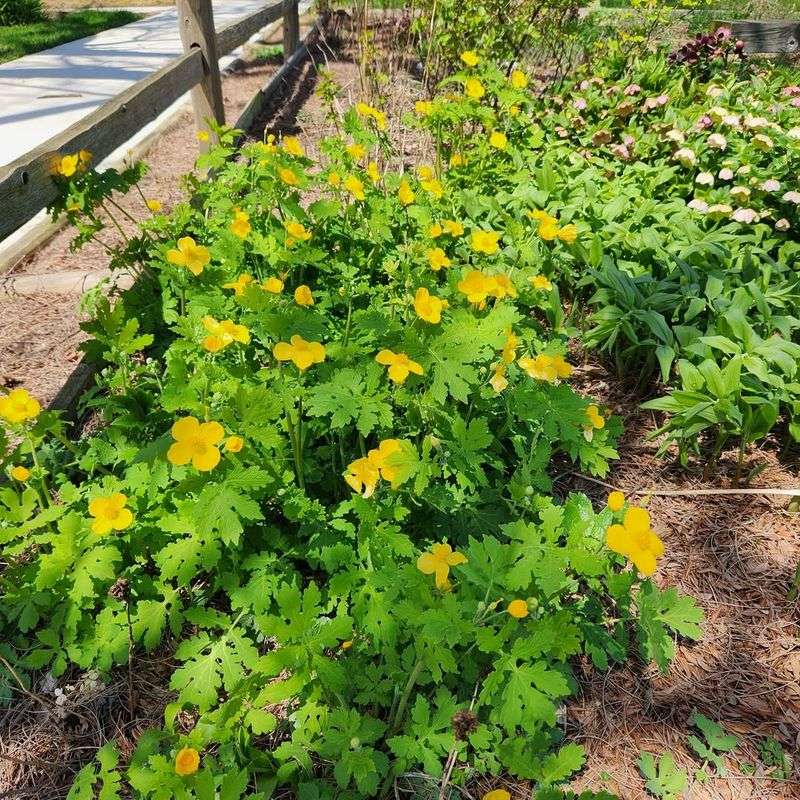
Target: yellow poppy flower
x=438 y=562
x=190 y=255
x=474 y=88
x=428 y=307
x=300 y=352
x=596 y=419
x=457 y=160
x=241 y=223
x=455 y=229
x=433 y=187
x=356 y=151
x=202 y=136
x=222 y=333
x=541 y=282
x=234 y=444
x=435 y=230
x=288 y=176
x=303 y=296
x=423 y=107
x=518 y=609
x=154 y=206
x=368 y=111
x=20 y=473
x=195 y=442
x=476 y=286
x=400 y=365
x=291 y=145
x=470 y=58
x=616 y=500
x=635 y=540
x=272 y=285
x=404 y=194
x=373 y=172
x=334 y=178
x=240 y=285
x=509 y=352
x=354 y=186
x=485 y=242
x=519 y=80
x=497 y=794
x=498 y=140
x=297 y=230
x=503 y=287
x=110 y=513
x=498 y=381
x=545 y=368
x=568 y=234
x=437 y=258
x=346 y=645
x=18 y=406
x=380 y=455
x=187 y=762
x=548 y=230
x=362 y=476
x=67 y=165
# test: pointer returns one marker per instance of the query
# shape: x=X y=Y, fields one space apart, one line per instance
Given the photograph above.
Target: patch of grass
x=19 y=40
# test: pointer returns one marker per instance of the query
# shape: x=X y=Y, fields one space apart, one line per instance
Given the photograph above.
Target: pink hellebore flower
x=601 y=137
x=579 y=104
x=620 y=151
x=704 y=122
x=725 y=174
x=795 y=102
x=782 y=224
x=791 y=197
x=632 y=89
x=746 y=215
x=770 y=185
x=717 y=141
x=704 y=179
x=698 y=205
x=791 y=91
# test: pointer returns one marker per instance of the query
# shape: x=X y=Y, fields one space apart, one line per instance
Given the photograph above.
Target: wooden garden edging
x=26 y=185
x=765 y=36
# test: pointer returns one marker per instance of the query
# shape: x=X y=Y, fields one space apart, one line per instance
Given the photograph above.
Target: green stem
x=43 y=491
x=409 y=687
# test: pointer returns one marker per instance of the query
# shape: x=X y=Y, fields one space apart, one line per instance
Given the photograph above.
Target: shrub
x=20 y=12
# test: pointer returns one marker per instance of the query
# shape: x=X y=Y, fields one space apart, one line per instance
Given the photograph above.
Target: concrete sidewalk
x=41 y=95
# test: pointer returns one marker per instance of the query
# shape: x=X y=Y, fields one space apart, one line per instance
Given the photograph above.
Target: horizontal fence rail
x=27 y=186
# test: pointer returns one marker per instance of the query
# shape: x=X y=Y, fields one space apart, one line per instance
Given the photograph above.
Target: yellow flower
x=474 y=88
x=509 y=352
x=541 y=282
x=334 y=178
x=498 y=140
x=354 y=186
x=268 y=146
x=541 y=216
x=438 y=562
x=240 y=285
x=470 y=58
x=596 y=419
x=400 y=365
x=291 y=144
x=437 y=258
x=423 y=107
x=297 y=230
x=476 y=286
x=356 y=151
x=379 y=457
x=222 y=333
x=202 y=136
x=18 y=405
x=404 y=194
x=519 y=80
x=545 y=368
x=373 y=172
x=636 y=540
x=513 y=110
x=300 y=352
x=190 y=255
x=196 y=442
x=428 y=306
x=568 y=234
x=368 y=111
x=346 y=645
x=498 y=381
x=234 y=444
x=288 y=176
x=303 y=296
x=362 y=475
x=435 y=230
x=434 y=187
x=457 y=160
x=241 y=223
x=154 y=205
x=272 y=285
x=454 y=228
x=518 y=609
x=110 y=513
x=187 y=762
x=425 y=172
x=548 y=230
x=497 y=794
x=616 y=500
x=485 y=242
x=503 y=287
x=20 y=473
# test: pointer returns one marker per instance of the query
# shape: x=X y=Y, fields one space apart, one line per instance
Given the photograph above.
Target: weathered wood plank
x=767 y=36
x=237 y=33
x=26 y=185
x=196 y=22
x=291 y=28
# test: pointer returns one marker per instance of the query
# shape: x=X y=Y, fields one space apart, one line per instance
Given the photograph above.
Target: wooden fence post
x=196 y=21
x=291 y=28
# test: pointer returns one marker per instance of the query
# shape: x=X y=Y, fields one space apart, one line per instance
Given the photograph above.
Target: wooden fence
x=26 y=185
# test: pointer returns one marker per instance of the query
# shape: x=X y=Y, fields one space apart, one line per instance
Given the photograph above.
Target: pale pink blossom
x=704 y=179
x=791 y=197
x=632 y=89
x=770 y=185
x=782 y=224
x=685 y=156
x=725 y=174
x=746 y=215
x=698 y=205
x=717 y=141
x=579 y=104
